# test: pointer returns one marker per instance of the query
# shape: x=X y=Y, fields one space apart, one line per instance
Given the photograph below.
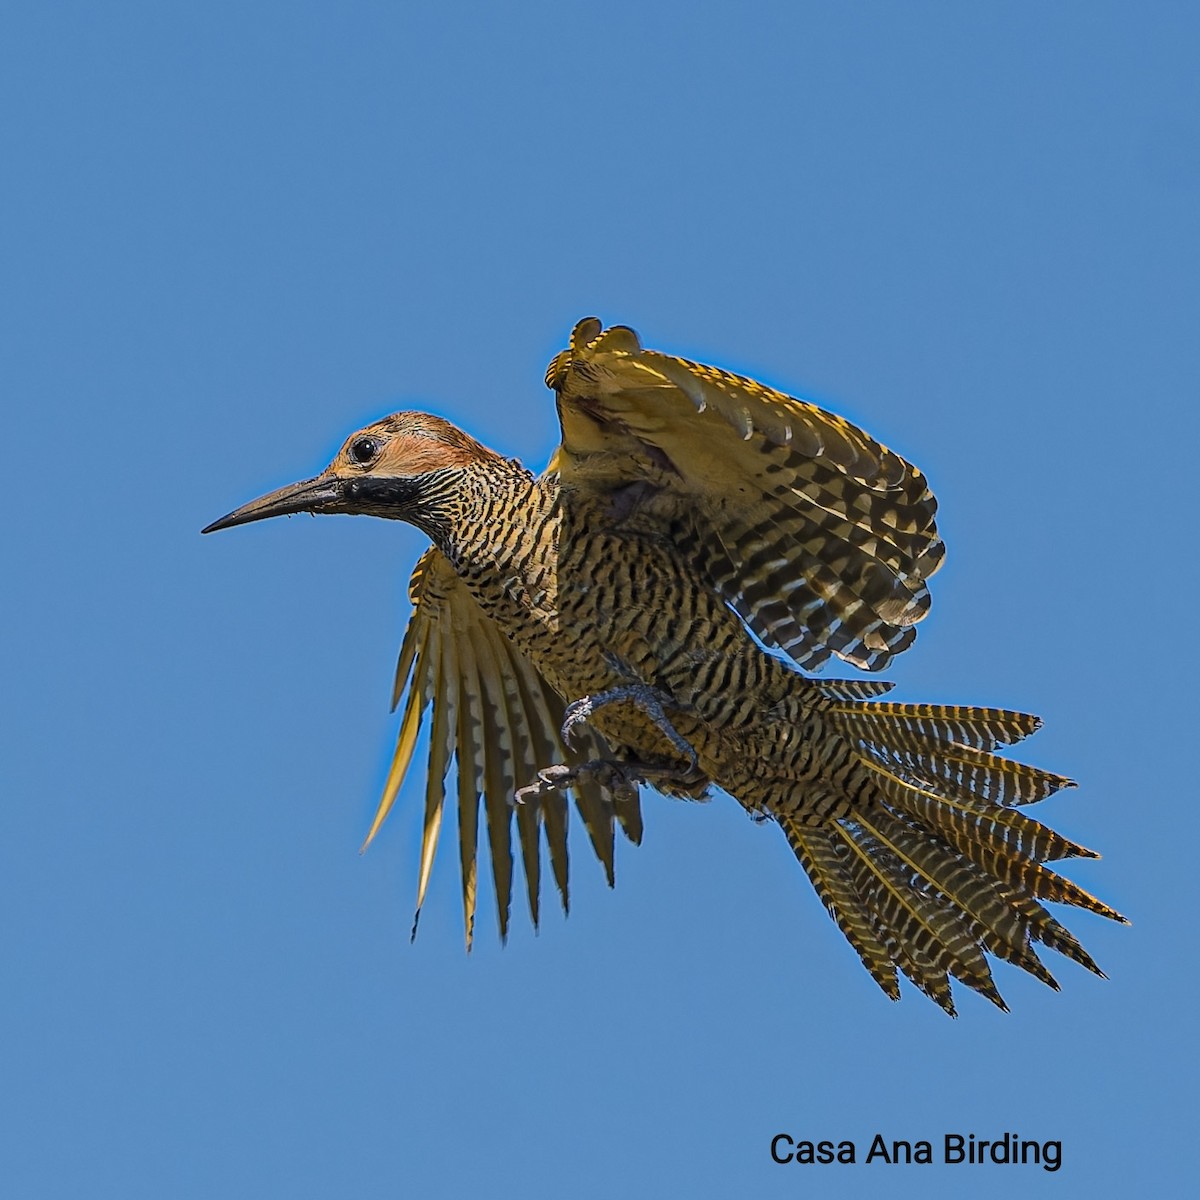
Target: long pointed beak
x=322 y=494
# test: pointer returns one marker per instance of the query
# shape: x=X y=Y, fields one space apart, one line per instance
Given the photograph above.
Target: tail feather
x=935 y=927
x=968 y=774
x=900 y=932
x=1044 y=928
x=852 y=689
x=960 y=724
x=971 y=890
x=815 y=848
x=1028 y=960
x=1002 y=925
x=990 y=827
x=929 y=868
x=998 y=853
x=933 y=980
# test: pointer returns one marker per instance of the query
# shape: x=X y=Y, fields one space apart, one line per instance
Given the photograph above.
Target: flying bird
x=639 y=614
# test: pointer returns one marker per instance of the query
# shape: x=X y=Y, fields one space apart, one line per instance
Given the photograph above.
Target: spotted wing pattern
x=491 y=712
x=820 y=537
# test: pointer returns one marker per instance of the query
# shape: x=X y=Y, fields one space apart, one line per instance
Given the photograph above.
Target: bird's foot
x=614 y=776
x=650 y=700
x=621 y=779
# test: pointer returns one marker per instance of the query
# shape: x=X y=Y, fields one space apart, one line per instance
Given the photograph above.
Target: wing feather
x=441 y=750
x=818 y=535
x=499 y=783
x=499 y=720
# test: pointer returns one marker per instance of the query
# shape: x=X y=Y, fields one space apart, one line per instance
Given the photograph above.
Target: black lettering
x=956 y=1148
x=878 y=1149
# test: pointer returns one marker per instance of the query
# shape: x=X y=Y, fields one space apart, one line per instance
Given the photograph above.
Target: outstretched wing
x=495 y=715
x=820 y=537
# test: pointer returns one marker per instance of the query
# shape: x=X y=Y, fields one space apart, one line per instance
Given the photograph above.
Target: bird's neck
x=480 y=522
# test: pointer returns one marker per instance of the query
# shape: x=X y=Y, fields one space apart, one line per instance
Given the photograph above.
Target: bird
x=654 y=609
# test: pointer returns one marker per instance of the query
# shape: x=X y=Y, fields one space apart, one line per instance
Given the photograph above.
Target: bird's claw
x=644 y=697
x=621 y=779
x=576 y=715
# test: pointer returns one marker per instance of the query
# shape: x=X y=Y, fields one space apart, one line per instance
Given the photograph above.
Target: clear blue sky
x=232 y=233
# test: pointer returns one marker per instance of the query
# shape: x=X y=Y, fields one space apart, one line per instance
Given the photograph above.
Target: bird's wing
x=820 y=537
x=495 y=715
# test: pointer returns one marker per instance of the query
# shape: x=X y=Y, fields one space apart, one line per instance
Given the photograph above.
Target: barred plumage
x=819 y=536
x=613 y=599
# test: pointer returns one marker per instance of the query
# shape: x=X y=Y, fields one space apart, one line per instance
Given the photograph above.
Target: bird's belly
x=633 y=610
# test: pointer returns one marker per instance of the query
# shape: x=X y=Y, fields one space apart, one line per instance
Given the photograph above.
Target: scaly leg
x=648 y=699
x=620 y=778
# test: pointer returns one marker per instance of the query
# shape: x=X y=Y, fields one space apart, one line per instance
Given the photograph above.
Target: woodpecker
x=641 y=613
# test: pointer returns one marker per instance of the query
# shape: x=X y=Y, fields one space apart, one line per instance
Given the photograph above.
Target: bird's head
x=396 y=468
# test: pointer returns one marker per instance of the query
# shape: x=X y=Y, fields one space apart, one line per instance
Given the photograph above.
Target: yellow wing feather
x=817 y=534
x=495 y=715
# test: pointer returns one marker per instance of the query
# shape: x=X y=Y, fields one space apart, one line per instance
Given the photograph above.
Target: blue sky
x=230 y=234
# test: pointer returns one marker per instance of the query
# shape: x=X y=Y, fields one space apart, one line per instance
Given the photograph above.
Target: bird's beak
x=322 y=494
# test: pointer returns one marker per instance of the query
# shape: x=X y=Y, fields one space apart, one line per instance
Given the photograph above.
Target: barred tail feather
x=939 y=724
x=1045 y=929
x=1002 y=926
x=852 y=689
x=1000 y=830
x=930 y=868
x=937 y=928
x=818 y=855
x=967 y=774
x=900 y=931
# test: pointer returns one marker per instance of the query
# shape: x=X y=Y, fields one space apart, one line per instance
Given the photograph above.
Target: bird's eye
x=364 y=449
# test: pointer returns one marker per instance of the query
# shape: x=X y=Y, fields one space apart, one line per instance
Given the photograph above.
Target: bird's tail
x=939 y=865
